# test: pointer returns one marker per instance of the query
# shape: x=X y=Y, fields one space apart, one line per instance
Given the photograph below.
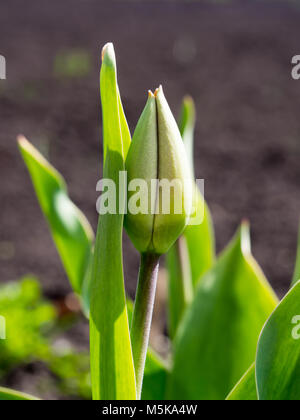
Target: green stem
x=142 y=314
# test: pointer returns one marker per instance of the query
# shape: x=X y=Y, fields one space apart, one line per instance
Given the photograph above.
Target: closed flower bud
x=159 y=179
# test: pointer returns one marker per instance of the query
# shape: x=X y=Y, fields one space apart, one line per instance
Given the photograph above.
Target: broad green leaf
x=245 y=389
x=9 y=395
x=156 y=370
x=216 y=340
x=296 y=275
x=194 y=253
x=70 y=229
x=112 y=367
x=278 y=353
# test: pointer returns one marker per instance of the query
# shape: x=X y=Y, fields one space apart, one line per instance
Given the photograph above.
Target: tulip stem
x=142 y=314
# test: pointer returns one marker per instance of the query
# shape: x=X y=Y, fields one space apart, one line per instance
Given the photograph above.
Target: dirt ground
x=233 y=58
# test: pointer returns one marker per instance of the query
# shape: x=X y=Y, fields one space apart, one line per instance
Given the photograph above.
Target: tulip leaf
x=296 y=275
x=187 y=121
x=194 y=252
x=9 y=395
x=200 y=237
x=112 y=367
x=217 y=338
x=70 y=229
x=200 y=242
x=181 y=292
x=245 y=389
x=278 y=354
x=126 y=137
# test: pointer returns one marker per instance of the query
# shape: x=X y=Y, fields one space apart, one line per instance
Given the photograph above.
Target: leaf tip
x=189 y=104
x=108 y=55
x=245 y=237
x=26 y=146
x=22 y=141
x=188 y=101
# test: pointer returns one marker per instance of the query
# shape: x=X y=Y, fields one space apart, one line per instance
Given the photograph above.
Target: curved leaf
x=200 y=238
x=296 y=275
x=180 y=291
x=187 y=121
x=245 y=389
x=216 y=341
x=70 y=229
x=9 y=395
x=194 y=253
x=200 y=242
x=278 y=353
x=112 y=367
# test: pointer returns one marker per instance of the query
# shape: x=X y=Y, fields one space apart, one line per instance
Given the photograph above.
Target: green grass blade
x=10 y=395
x=186 y=270
x=217 y=338
x=71 y=232
x=111 y=356
x=245 y=389
x=278 y=353
x=296 y=275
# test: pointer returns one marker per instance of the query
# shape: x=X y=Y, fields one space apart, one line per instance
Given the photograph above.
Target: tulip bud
x=157 y=156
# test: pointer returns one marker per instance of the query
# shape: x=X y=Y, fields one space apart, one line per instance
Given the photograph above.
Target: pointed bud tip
x=158 y=91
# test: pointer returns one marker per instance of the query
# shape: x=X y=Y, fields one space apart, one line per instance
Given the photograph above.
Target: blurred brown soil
x=232 y=57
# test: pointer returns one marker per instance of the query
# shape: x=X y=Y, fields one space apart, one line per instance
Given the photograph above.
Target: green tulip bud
x=157 y=156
